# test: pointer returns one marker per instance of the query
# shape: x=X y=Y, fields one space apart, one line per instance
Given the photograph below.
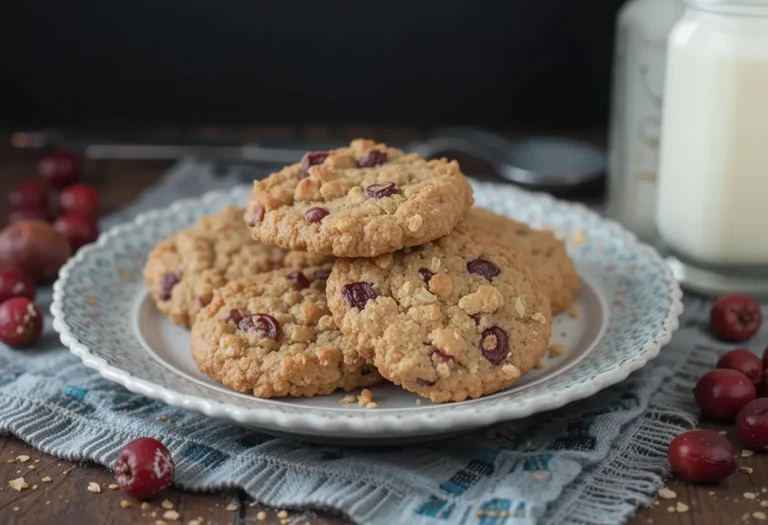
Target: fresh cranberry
x=254 y=215
x=28 y=194
x=380 y=190
x=27 y=214
x=721 y=393
x=263 y=323
x=752 y=424
x=299 y=279
x=743 y=361
x=21 y=322
x=143 y=468
x=358 y=294
x=59 y=168
x=735 y=318
x=316 y=214
x=485 y=268
x=80 y=198
x=702 y=456
x=35 y=248
x=494 y=345
x=373 y=158
x=167 y=282
x=312 y=159
x=78 y=229
x=426 y=274
x=14 y=283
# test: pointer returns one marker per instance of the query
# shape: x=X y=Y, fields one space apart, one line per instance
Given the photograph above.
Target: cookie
x=460 y=317
x=272 y=335
x=546 y=254
x=183 y=271
x=361 y=201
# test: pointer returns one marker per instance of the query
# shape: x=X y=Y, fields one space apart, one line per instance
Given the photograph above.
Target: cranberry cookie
x=360 y=201
x=459 y=317
x=272 y=335
x=546 y=254
x=183 y=271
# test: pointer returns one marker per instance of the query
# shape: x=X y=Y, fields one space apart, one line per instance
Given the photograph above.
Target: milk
x=712 y=203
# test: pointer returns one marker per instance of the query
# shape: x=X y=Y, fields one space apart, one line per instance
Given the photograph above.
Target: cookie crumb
x=746 y=470
x=31 y=467
x=160 y=522
x=125 y=503
x=556 y=350
x=12 y=460
x=18 y=484
x=23 y=459
x=539 y=318
x=371 y=405
x=34 y=487
x=764 y=503
x=196 y=521
x=670 y=509
x=16 y=509
x=114 y=486
x=746 y=453
x=282 y=514
x=750 y=495
x=681 y=507
x=711 y=493
x=231 y=507
x=539 y=365
x=261 y=516
x=666 y=493
x=347 y=399
x=94 y=487
x=167 y=504
x=171 y=515
x=365 y=397
x=759 y=515
x=47 y=479
x=418 y=401
x=574 y=312
x=144 y=506
x=722 y=432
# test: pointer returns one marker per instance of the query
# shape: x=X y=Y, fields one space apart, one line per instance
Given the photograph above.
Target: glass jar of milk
x=712 y=195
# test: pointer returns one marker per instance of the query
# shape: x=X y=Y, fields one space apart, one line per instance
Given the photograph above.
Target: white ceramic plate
x=628 y=308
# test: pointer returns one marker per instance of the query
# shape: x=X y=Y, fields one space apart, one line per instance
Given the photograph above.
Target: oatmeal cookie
x=183 y=271
x=361 y=201
x=272 y=335
x=546 y=254
x=459 y=317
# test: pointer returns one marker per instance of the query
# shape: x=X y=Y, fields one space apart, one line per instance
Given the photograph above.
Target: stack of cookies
x=360 y=265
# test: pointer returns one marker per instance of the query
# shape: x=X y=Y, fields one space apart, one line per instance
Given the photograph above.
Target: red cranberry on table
x=35 y=248
x=143 y=468
x=59 y=168
x=28 y=214
x=14 y=283
x=752 y=424
x=78 y=229
x=721 y=393
x=80 y=198
x=743 y=361
x=735 y=317
x=702 y=456
x=21 y=322
x=28 y=194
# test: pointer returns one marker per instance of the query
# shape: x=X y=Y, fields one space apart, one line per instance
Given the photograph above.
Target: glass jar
x=642 y=28
x=712 y=203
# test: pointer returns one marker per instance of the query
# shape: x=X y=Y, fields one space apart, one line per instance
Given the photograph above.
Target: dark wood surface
x=66 y=498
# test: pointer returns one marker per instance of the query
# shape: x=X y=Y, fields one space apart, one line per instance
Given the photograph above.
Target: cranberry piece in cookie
x=263 y=323
x=235 y=316
x=373 y=158
x=358 y=294
x=436 y=352
x=314 y=158
x=426 y=274
x=299 y=279
x=494 y=345
x=380 y=190
x=315 y=214
x=255 y=214
x=485 y=268
x=167 y=282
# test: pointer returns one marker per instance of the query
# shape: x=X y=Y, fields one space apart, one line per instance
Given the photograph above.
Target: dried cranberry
x=60 y=168
x=78 y=229
x=263 y=323
x=735 y=318
x=322 y=275
x=721 y=393
x=143 y=468
x=299 y=279
x=424 y=382
x=373 y=158
x=313 y=159
x=167 y=282
x=426 y=274
x=436 y=352
x=14 y=283
x=702 y=456
x=21 y=322
x=315 y=214
x=235 y=316
x=28 y=194
x=380 y=190
x=255 y=215
x=80 y=198
x=743 y=361
x=358 y=294
x=485 y=268
x=497 y=353
x=752 y=424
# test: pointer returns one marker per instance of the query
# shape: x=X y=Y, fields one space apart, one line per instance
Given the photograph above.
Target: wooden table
x=66 y=498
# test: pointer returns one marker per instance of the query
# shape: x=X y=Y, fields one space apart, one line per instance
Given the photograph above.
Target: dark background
x=507 y=63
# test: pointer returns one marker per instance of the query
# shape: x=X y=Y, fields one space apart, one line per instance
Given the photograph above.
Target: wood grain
x=66 y=499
